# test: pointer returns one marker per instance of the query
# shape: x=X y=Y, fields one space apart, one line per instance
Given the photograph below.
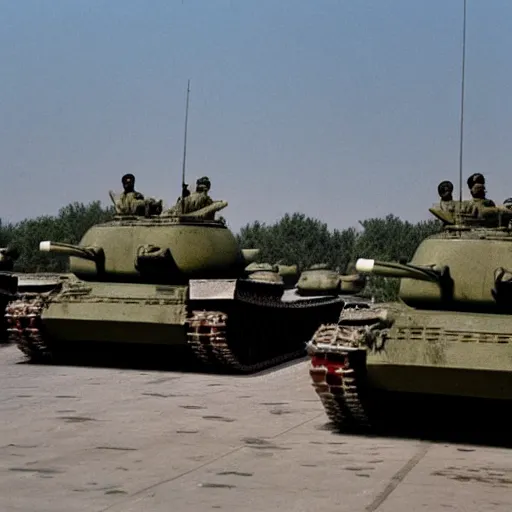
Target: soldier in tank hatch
x=475 y=178
x=200 y=198
x=130 y=202
x=194 y=201
x=508 y=203
x=476 y=184
x=445 y=191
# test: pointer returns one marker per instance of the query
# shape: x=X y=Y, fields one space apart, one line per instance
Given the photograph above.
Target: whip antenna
x=462 y=99
x=184 y=152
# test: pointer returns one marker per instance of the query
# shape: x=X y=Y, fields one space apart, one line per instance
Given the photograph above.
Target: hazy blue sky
x=342 y=110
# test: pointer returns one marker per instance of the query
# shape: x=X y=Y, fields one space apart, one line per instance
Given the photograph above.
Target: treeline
x=68 y=226
x=306 y=241
x=293 y=239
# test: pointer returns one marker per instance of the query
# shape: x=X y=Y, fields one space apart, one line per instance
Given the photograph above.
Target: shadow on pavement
x=144 y=357
x=443 y=420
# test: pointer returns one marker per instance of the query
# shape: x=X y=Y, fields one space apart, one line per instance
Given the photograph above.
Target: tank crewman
x=184 y=190
x=508 y=203
x=200 y=198
x=445 y=191
x=194 y=201
x=130 y=202
x=476 y=184
x=475 y=178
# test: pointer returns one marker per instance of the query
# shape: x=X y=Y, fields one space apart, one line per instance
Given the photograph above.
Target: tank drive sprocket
x=338 y=365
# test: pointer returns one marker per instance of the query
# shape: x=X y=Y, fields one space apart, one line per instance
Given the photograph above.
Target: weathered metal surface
x=139 y=280
x=451 y=335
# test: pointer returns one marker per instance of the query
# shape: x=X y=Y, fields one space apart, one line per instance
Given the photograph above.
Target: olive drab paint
x=174 y=279
x=449 y=335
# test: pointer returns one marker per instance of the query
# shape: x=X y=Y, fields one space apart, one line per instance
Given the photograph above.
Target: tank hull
x=459 y=354
x=219 y=321
x=411 y=353
x=117 y=313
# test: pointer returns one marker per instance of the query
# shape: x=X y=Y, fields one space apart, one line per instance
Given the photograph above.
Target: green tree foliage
x=301 y=240
x=295 y=239
x=305 y=241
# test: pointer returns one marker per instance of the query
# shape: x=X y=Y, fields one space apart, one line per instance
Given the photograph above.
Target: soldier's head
x=445 y=190
x=478 y=191
x=508 y=203
x=474 y=179
x=203 y=184
x=128 y=181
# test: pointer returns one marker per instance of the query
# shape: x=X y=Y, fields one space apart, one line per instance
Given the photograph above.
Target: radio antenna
x=184 y=152
x=462 y=99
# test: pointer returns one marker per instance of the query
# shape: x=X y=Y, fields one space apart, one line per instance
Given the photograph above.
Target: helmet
x=444 y=184
x=203 y=183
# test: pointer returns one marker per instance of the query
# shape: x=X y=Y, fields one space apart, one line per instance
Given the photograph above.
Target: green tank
x=448 y=338
x=168 y=280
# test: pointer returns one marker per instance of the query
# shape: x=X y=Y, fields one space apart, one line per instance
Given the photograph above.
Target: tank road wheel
x=258 y=330
x=338 y=374
x=206 y=330
x=217 y=345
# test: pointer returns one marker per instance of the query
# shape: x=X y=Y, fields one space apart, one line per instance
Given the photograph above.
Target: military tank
x=8 y=284
x=168 y=280
x=448 y=337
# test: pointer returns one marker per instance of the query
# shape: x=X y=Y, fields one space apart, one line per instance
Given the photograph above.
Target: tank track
x=208 y=338
x=338 y=366
x=23 y=318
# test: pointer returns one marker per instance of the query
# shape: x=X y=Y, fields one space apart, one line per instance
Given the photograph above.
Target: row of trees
x=68 y=226
x=293 y=239
x=306 y=241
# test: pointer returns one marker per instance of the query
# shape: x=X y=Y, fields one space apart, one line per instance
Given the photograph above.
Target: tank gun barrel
x=400 y=270
x=86 y=253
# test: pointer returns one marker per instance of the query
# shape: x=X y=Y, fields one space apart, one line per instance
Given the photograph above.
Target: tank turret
x=463 y=268
x=165 y=249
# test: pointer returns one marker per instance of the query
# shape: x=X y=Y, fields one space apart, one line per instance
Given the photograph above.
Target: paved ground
x=103 y=439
